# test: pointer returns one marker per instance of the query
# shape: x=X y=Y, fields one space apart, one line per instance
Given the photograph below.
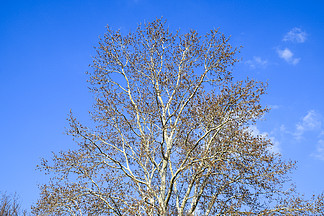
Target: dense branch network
x=171 y=135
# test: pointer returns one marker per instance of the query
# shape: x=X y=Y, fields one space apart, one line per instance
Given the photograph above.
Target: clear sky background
x=46 y=47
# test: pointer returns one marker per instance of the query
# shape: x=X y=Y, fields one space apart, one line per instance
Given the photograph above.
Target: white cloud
x=287 y=55
x=273 y=107
x=319 y=150
x=311 y=121
x=254 y=130
x=257 y=62
x=283 y=129
x=276 y=145
x=295 y=35
x=275 y=148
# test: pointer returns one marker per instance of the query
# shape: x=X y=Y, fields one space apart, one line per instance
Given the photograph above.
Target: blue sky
x=46 y=47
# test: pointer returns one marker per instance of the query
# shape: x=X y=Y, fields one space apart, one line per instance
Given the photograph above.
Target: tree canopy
x=170 y=135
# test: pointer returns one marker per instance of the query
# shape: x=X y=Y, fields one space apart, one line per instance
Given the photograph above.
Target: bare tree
x=10 y=206
x=170 y=135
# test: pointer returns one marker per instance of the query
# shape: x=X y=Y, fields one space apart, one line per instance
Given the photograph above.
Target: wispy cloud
x=274 y=107
x=319 y=154
x=276 y=145
x=295 y=35
x=311 y=121
x=288 y=56
x=257 y=62
x=275 y=148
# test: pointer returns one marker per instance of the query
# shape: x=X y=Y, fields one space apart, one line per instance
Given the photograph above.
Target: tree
x=10 y=206
x=170 y=135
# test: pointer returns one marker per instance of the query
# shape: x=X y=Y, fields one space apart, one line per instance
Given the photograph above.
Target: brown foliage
x=171 y=135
